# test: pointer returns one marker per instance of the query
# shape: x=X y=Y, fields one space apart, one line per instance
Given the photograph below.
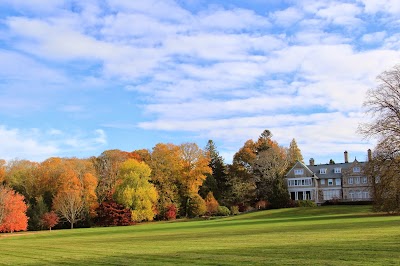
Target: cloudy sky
x=81 y=77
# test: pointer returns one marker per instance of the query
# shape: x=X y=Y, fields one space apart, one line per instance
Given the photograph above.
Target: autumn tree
x=2 y=170
x=194 y=169
x=166 y=167
x=110 y=213
x=294 y=153
x=383 y=105
x=12 y=211
x=211 y=204
x=134 y=190
x=49 y=219
x=269 y=165
x=69 y=202
x=107 y=167
x=241 y=181
x=21 y=176
x=37 y=208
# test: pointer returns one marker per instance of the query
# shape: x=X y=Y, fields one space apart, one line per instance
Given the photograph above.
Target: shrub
x=262 y=205
x=306 y=203
x=49 y=220
x=111 y=213
x=235 y=210
x=170 y=214
x=196 y=206
x=223 y=211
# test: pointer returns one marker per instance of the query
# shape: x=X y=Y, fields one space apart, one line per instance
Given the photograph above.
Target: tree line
x=122 y=188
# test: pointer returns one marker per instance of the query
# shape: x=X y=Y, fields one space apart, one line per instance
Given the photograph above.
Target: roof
x=330 y=169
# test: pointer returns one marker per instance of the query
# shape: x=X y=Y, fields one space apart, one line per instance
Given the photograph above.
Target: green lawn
x=332 y=235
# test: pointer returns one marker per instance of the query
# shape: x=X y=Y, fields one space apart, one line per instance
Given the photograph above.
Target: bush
x=306 y=203
x=235 y=210
x=211 y=204
x=223 y=211
x=170 y=214
x=262 y=205
x=196 y=206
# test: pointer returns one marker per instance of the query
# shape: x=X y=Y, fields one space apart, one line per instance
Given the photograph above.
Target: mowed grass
x=331 y=235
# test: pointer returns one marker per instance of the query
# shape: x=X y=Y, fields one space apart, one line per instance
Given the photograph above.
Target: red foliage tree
x=13 y=211
x=111 y=213
x=49 y=220
x=170 y=214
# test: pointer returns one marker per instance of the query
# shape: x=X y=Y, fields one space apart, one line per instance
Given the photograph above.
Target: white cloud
x=35 y=144
x=374 y=37
x=386 y=6
x=287 y=17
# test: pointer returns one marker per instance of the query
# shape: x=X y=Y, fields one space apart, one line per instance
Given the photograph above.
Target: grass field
x=331 y=235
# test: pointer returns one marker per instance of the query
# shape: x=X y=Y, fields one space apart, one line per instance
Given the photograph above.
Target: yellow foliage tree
x=134 y=191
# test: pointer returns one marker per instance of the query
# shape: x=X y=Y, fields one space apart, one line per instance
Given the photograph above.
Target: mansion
x=338 y=181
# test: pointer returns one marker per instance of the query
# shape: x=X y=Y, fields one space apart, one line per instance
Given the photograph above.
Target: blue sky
x=81 y=77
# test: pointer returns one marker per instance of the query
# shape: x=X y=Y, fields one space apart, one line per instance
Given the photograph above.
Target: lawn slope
x=331 y=235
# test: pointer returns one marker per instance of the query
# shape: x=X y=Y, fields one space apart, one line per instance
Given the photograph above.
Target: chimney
x=369 y=155
x=346 y=157
x=311 y=161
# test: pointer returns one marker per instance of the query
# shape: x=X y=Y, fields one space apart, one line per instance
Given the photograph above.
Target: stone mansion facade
x=339 y=181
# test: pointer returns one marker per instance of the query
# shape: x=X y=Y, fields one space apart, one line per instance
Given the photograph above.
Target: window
x=359 y=194
x=364 y=180
x=322 y=171
x=338 y=181
x=338 y=170
x=377 y=179
x=298 y=171
x=322 y=181
x=350 y=181
x=366 y=195
x=356 y=169
x=330 y=182
x=357 y=180
x=351 y=193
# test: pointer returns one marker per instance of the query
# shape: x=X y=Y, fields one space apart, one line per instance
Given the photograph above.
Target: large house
x=336 y=181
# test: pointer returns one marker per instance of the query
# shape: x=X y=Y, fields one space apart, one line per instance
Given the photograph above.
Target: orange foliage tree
x=49 y=220
x=69 y=200
x=12 y=211
x=211 y=204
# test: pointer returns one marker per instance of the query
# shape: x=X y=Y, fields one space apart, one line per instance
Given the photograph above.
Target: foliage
x=279 y=197
x=37 y=208
x=196 y=206
x=171 y=212
x=134 y=190
x=234 y=210
x=2 y=170
x=211 y=204
x=12 y=211
x=110 y=213
x=107 y=168
x=166 y=168
x=262 y=205
x=294 y=153
x=223 y=211
x=306 y=203
x=49 y=220
x=269 y=165
x=217 y=180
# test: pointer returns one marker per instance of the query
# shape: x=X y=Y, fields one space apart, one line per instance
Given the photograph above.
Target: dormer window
x=322 y=171
x=356 y=169
x=298 y=171
x=338 y=170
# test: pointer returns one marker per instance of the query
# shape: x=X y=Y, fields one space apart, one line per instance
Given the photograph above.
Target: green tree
x=217 y=181
x=134 y=190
